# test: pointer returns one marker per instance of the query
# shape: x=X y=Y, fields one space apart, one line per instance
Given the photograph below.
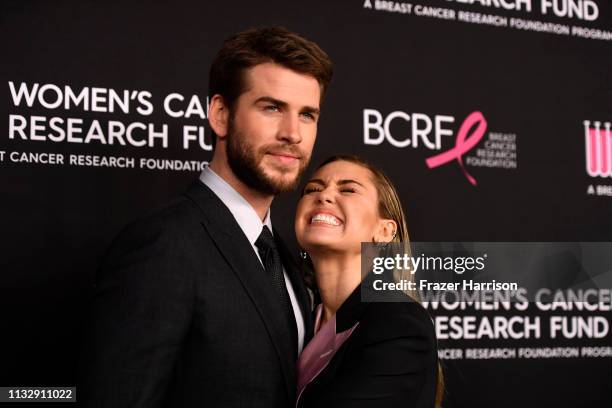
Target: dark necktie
x=272 y=262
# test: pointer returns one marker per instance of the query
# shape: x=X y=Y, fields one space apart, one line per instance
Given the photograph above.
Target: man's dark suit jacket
x=389 y=360
x=184 y=315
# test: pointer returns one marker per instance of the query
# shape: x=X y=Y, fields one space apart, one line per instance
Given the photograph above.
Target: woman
x=363 y=354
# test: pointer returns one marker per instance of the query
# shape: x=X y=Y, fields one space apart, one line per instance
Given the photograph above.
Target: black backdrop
x=535 y=90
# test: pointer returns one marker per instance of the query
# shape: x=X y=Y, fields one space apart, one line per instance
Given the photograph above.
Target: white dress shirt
x=251 y=225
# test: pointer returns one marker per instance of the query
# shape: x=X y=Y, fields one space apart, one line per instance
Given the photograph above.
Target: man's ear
x=218 y=116
x=386 y=230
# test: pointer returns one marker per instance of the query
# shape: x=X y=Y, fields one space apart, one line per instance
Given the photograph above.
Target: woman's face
x=339 y=210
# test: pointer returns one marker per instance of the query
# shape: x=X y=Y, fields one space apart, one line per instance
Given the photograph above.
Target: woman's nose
x=325 y=196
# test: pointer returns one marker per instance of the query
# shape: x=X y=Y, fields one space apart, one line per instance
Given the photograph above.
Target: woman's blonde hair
x=390 y=207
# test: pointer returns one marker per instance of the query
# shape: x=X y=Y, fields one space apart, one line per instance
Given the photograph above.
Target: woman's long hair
x=390 y=207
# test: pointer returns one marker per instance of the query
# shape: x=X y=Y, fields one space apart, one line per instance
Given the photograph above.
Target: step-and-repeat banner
x=492 y=117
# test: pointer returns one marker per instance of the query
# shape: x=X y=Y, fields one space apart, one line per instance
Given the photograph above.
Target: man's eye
x=271 y=108
x=308 y=190
x=308 y=116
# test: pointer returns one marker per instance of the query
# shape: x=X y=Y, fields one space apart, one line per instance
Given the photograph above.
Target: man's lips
x=284 y=157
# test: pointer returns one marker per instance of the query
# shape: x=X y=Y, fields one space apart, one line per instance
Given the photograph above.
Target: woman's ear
x=218 y=116
x=386 y=231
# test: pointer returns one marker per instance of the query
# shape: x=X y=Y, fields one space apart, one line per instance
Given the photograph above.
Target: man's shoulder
x=172 y=217
x=175 y=222
x=184 y=211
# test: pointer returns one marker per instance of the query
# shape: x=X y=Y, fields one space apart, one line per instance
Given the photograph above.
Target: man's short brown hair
x=256 y=46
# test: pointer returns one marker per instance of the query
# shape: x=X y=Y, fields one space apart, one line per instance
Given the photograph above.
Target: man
x=194 y=305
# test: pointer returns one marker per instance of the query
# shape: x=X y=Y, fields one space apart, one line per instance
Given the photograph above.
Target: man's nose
x=290 y=129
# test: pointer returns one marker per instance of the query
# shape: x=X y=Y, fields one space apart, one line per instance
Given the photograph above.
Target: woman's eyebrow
x=316 y=181
x=339 y=182
x=348 y=181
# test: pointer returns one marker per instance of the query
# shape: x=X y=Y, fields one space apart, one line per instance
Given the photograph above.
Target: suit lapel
x=346 y=322
x=238 y=253
x=320 y=352
x=351 y=310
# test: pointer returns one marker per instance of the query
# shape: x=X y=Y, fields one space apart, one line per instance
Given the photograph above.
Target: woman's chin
x=320 y=245
x=322 y=248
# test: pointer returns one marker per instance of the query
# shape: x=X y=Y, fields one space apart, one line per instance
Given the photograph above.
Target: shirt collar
x=243 y=212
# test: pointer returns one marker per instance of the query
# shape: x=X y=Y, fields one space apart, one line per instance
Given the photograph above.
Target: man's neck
x=259 y=201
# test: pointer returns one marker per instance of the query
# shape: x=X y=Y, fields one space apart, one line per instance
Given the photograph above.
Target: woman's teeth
x=325 y=218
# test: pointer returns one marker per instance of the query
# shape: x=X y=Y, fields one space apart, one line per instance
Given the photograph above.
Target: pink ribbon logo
x=463 y=144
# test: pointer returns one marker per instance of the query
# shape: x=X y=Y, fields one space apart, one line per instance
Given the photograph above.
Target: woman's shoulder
x=398 y=319
x=393 y=339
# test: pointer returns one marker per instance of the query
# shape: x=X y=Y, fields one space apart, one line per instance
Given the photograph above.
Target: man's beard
x=245 y=162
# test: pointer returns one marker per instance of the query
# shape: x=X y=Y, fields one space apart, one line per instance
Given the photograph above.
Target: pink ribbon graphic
x=463 y=144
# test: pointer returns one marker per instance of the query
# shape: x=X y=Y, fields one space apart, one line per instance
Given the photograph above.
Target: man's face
x=272 y=128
